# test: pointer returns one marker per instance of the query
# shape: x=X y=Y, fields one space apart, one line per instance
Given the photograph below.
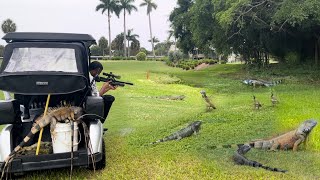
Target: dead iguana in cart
x=54 y=115
x=289 y=140
x=192 y=128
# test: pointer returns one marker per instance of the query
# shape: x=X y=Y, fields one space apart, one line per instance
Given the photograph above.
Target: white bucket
x=61 y=139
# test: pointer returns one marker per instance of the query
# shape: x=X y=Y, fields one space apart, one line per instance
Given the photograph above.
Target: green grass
x=136 y=119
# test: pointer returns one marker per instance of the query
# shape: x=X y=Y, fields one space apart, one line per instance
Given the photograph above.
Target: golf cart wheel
x=102 y=163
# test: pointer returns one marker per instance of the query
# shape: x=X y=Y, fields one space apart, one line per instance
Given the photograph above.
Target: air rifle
x=112 y=78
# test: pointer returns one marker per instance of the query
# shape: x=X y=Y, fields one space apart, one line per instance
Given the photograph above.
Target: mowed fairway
x=138 y=118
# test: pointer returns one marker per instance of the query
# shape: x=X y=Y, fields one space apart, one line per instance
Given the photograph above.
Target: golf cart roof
x=51 y=37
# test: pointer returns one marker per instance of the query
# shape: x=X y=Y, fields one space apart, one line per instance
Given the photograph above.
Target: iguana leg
x=52 y=127
x=178 y=138
x=298 y=142
x=274 y=146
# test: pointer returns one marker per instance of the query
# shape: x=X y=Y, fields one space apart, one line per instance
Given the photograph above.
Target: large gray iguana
x=289 y=140
x=240 y=159
x=255 y=82
x=192 y=128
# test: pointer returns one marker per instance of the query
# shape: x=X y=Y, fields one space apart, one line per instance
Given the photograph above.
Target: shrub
x=141 y=56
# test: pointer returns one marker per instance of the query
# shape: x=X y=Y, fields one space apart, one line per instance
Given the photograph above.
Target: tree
x=180 y=23
x=135 y=47
x=162 y=48
x=8 y=26
x=126 y=6
x=103 y=44
x=130 y=37
x=150 y=5
x=142 y=49
x=154 y=40
x=95 y=50
x=117 y=44
x=111 y=6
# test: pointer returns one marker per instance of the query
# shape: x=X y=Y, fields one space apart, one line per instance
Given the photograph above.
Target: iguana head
x=203 y=93
x=196 y=124
x=307 y=126
x=244 y=149
x=78 y=111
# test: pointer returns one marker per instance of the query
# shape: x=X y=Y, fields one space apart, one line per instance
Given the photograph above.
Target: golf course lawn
x=138 y=118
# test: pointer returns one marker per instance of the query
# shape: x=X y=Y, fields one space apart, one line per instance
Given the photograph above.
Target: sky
x=79 y=16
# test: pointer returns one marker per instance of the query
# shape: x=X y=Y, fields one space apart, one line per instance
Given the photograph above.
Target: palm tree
x=154 y=40
x=111 y=6
x=8 y=26
x=130 y=37
x=150 y=5
x=126 y=6
x=171 y=33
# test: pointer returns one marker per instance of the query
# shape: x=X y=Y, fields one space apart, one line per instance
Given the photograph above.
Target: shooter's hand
x=106 y=87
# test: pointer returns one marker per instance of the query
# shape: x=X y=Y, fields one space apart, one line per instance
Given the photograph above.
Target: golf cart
x=38 y=64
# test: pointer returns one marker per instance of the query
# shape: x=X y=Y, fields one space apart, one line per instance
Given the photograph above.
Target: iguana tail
x=240 y=159
x=168 y=138
x=36 y=128
x=158 y=141
x=225 y=146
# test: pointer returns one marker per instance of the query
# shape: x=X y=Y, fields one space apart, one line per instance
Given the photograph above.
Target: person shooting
x=95 y=68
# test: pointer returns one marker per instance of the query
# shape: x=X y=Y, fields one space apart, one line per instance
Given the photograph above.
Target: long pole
x=44 y=115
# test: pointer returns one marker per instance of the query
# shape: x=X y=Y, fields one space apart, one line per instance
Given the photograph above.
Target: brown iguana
x=210 y=105
x=256 y=103
x=192 y=128
x=289 y=140
x=240 y=159
x=274 y=100
x=54 y=115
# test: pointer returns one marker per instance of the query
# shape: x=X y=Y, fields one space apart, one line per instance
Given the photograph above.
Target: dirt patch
x=201 y=66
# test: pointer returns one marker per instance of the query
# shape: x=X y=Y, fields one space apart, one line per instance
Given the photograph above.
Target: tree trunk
x=154 y=54
x=128 y=48
x=109 y=34
x=124 y=34
x=316 y=52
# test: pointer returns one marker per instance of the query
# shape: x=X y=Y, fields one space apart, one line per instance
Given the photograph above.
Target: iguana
x=256 y=103
x=210 y=105
x=192 y=128
x=289 y=140
x=255 y=82
x=240 y=159
x=181 y=97
x=274 y=100
x=54 y=115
